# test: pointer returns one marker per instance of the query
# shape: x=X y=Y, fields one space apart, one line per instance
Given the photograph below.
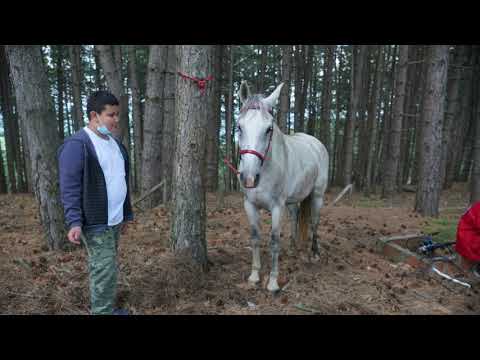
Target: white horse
x=278 y=171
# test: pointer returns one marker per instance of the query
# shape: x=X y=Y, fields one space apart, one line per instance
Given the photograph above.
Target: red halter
x=253 y=152
x=256 y=153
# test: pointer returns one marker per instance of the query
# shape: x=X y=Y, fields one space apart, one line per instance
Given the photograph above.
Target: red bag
x=468 y=234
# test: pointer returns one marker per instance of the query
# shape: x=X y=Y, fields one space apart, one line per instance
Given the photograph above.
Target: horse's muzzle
x=250 y=182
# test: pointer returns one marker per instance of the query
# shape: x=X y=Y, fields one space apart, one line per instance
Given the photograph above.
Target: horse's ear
x=271 y=101
x=244 y=92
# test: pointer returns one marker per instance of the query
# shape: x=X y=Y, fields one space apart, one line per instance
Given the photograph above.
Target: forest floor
x=350 y=277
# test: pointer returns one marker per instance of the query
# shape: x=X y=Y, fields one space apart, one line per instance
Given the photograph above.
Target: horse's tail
x=304 y=219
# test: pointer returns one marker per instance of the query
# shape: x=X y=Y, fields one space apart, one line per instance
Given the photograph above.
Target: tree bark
x=299 y=77
x=263 y=69
x=35 y=106
x=372 y=119
x=458 y=112
x=428 y=189
x=6 y=105
x=475 y=172
x=111 y=62
x=387 y=95
x=75 y=59
x=362 y=131
x=188 y=233
x=3 y=181
x=136 y=113
x=60 y=89
x=357 y=67
x=153 y=124
x=229 y=116
x=168 y=142
x=214 y=119
x=337 y=146
x=285 y=94
x=327 y=96
x=312 y=123
x=393 y=149
x=307 y=74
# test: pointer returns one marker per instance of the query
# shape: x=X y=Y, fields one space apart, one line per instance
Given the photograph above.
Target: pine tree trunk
x=475 y=162
x=475 y=177
x=111 y=62
x=6 y=105
x=393 y=149
x=99 y=84
x=262 y=70
x=308 y=60
x=75 y=59
x=419 y=122
x=136 y=113
x=411 y=108
x=372 y=119
x=27 y=165
x=168 y=142
x=229 y=116
x=362 y=138
x=357 y=70
x=428 y=191
x=462 y=111
x=213 y=128
x=153 y=125
x=285 y=94
x=60 y=89
x=3 y=181
x=337 y=146
x=327 y=96
x=35 y=107
x=450 y=113
x=406 y=122
x=188 y=233
x=387 y=94
x=312 y=103
x=299 y=76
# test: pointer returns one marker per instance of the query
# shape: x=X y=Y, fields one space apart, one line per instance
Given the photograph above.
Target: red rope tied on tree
x=201 y=82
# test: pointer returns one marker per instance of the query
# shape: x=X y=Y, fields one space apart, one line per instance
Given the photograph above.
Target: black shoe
x=120 y=312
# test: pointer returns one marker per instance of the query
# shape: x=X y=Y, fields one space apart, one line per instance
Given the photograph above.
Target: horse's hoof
x=254 y=279
x=273 y=287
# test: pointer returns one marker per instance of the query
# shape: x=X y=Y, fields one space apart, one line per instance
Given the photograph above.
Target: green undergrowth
x=444 y=229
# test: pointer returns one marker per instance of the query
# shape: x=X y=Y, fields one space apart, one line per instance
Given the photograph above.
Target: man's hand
x=74 y=235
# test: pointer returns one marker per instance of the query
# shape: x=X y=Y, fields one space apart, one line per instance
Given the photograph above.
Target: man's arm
x=70 y=161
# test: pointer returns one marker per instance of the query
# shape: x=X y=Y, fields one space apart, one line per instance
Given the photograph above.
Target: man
x=95 y=194
x=468 y=238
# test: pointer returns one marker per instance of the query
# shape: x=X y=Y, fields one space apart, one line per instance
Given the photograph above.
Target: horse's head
x=255 y=131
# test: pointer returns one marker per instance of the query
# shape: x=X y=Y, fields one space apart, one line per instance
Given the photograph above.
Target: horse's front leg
x=293 y=210
x=277 y=212
x=253 y=219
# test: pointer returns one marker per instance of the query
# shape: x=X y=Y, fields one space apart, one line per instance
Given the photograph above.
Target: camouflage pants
x=102 y=267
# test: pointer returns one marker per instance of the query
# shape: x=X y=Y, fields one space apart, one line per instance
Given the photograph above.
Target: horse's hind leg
x=253 y=219
x=293 y=211
x=316 y=205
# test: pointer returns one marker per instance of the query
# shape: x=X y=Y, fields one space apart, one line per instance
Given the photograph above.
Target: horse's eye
x=239 y=129
x=269 y=129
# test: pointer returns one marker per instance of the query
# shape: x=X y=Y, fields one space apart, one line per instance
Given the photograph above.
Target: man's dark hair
x=98 y=100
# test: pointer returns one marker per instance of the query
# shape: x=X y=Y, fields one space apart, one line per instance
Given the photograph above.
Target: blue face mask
x=103 y=130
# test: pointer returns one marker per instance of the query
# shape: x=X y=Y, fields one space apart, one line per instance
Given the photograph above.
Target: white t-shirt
x=113 y=166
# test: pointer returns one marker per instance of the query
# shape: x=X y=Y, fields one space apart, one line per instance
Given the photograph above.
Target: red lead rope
x=201 y=82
